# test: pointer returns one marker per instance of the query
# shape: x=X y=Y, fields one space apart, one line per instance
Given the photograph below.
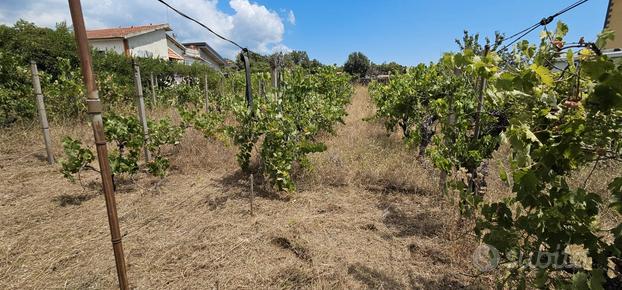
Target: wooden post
x=153 y=91
x=45 y=127
x=275 y=73
x=480 y=99
x=206 y=95
x=262 y=90
x=141 y=110
x=252 y=196
x=94 y=108
x=480 y=105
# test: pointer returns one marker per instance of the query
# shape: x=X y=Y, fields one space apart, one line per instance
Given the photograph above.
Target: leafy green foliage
x=292 y=59
x=555 y=122
x=282 y=125
x=162 y=133
x=403 y=101
x=126 y=133
x=308 y=104
x=182 y=94
x=357 y=64
x=387 y=68
x=16 y=99
x=64 y=92
x=76 y=158
x=27 y=42
x=55 y=54
x=566 y=125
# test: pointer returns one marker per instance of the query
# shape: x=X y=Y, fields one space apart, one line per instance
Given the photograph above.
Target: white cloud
x=291 y=17
x=252 y=25
x=256 y=24
x=280 y=48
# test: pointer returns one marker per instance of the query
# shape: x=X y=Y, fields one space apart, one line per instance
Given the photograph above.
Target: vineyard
x=497 y=166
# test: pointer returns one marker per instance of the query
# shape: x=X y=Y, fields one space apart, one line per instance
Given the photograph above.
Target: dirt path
x=366 y=216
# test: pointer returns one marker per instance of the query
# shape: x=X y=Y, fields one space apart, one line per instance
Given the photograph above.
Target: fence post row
x=45 y=127
x=94 y=108
x=141 y=110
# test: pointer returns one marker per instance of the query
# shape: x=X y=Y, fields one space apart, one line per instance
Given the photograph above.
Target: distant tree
x=298 y=57
x=391 y=68
x=357 y=65
x=259 y=63
x=315 y=64
x=43 y=45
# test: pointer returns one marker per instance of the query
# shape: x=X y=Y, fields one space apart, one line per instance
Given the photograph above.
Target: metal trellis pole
x=94 y=107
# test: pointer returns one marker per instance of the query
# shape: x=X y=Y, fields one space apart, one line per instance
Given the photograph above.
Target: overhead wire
x=543 y=22
x=244 y=54
x=202 y=25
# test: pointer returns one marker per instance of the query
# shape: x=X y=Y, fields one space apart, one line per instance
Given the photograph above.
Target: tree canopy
x=357 y=65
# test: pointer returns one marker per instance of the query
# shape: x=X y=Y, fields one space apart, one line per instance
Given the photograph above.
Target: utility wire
x=202 y=25
x=520 y=37
x=244 y=54
x=522 y=31
x=547 y=20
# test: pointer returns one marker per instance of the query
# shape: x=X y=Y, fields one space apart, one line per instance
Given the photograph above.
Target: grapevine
x=555 y=121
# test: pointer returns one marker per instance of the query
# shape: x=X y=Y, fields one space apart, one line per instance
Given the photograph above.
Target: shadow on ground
x=373 y=279
x=406 y=224
x=68 y=199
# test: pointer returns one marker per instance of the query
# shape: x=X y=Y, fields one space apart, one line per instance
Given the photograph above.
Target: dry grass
x=368 y=215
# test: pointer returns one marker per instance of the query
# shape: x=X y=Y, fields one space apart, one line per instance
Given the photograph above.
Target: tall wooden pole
x=153 y=91
x=480 y=99
x=94 y=107
x=473 y=184
x=45 y=127
x=275 y=77
x=206 y=95
x=141 y=110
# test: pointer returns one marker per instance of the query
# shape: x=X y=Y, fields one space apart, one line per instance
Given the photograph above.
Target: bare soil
x=368 y=214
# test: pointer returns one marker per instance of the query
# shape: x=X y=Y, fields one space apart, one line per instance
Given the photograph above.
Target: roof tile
x=124 y=32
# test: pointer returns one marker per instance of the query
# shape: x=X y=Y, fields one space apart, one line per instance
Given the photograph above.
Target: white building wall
x=209 y=60
x=189 y=60
x=114 y=44
x=151 y=44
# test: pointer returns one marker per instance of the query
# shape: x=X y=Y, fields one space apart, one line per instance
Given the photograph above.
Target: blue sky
x=408 y=32
x=411 y=32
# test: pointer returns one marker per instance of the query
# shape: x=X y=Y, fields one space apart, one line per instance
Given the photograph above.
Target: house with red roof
x=154 y=40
